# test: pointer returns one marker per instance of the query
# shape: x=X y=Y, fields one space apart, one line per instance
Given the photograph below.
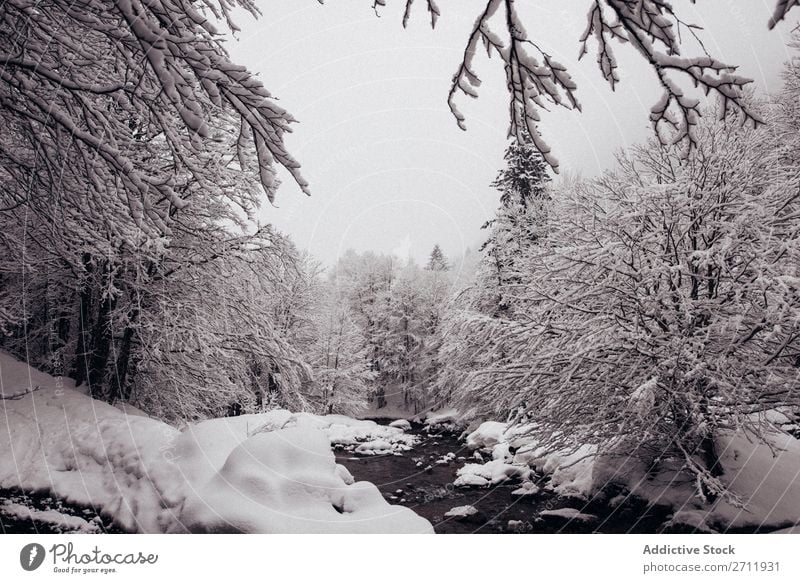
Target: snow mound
x=764 y=476
x=444 y=420
x=286 y=481
x=571 y=471
x=471 y=481
x=461 y=512
x=572 y=514
x=493 y=472
x=767 y=483
x=487 y=435
x=526 y=489
x=403 y=424
x=248 y=473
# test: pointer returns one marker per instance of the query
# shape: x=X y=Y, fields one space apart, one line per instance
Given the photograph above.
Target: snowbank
x=255 y=473
x=403 y=424
x=285 y=481
x=571 y=471
x=768 y=484
x=488 y=435
x=461 y=512
x=765 y=477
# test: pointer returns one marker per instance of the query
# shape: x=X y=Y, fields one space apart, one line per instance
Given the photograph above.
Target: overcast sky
x=389 y=169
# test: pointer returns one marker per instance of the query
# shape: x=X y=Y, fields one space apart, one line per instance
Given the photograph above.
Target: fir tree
x=524 y=196
x=437 y=260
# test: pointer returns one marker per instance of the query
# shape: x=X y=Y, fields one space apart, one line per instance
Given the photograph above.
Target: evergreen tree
x=437 y=260
x=524 y=196
x=524 y=180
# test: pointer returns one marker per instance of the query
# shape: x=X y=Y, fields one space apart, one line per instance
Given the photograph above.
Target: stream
x=429 y=491
x=420 y=479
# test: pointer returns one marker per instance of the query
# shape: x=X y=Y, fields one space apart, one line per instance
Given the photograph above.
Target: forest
x=608 y=331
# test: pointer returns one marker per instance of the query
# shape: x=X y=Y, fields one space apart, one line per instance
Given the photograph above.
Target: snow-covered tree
x=343 y=378
x=100 y=81
x=130 y=157
x=662 y=305
x=208 y=336
x=437 y=260
x=95 y=297
x=519 y=222
x=397 y=307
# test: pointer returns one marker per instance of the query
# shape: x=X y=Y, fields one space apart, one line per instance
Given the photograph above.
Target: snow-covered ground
x=274 y=472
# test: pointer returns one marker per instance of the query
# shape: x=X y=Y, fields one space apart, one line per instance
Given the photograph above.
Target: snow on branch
x=781 y=10
x=535 y=81
x=113 y=81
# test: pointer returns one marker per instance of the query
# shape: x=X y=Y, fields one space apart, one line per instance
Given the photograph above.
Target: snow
x=345 y=474
x=375 y=447
x=569 y=514
x=445 y=419
x=129 y=409
x=63 y=522
x=461 y=512
x=361 y=436
x=570 y=470
x=526 y=489
x=487 y=435
x=402 y=424
x=471 y=480
x=768 y=485
x=643 y=398
x=493 y=472
x=273 y=472
x=286 y=481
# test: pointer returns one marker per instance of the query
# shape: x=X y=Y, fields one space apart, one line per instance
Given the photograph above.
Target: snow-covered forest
x=619 y=353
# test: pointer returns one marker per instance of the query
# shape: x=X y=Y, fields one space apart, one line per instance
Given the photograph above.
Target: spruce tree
x=437 y=260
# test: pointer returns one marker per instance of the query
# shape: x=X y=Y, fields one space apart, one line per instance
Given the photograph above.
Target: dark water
x=431 y=494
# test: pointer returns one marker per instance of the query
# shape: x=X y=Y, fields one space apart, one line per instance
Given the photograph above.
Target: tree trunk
x=80 y=366
x=102 y=337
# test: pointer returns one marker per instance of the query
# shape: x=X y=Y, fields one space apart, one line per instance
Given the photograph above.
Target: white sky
x=389 y=169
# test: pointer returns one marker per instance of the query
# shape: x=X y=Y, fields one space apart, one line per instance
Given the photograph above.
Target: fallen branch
x=17 y=396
